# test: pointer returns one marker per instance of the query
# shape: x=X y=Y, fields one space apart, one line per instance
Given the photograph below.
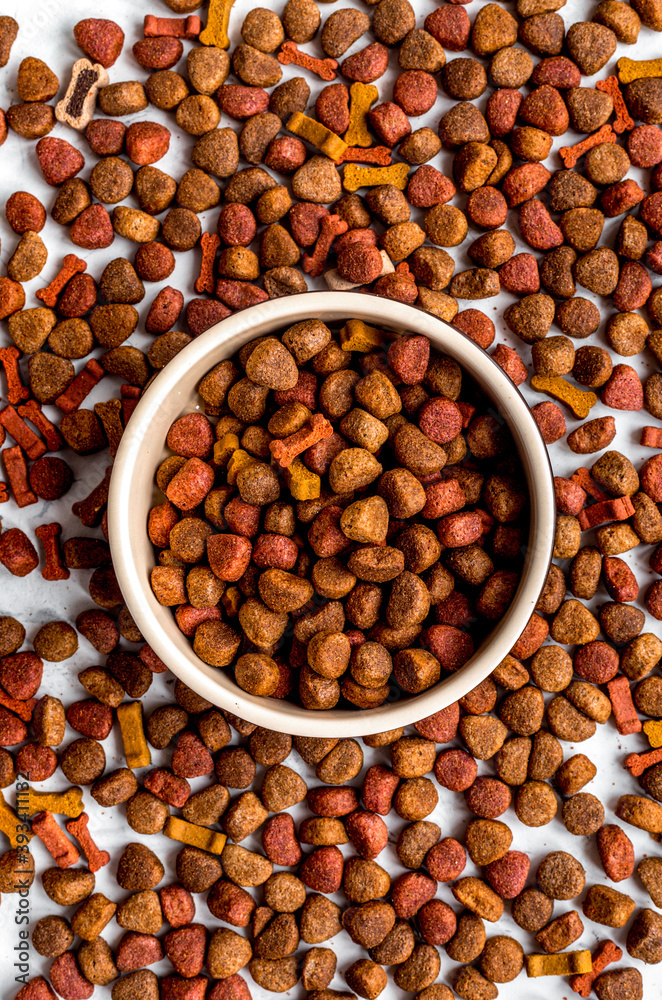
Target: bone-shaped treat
x=78 y=828
x=58 y=845
x=357 y=177
x=637 y=69
x=572 y=154
x=290 y=53
x=218 y=19
x=14 y=828
x=361 y=98
x=69 y=803
x=77 y=106
x=623 y=121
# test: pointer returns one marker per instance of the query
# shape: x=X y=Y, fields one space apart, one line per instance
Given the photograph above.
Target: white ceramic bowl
x=132 y=493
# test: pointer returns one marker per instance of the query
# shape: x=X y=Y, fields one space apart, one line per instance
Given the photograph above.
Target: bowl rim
x=166 y=395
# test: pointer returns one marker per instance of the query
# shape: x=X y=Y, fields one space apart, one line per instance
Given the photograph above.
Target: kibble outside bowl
x=133 y=493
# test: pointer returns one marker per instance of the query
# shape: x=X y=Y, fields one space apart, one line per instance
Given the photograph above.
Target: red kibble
x=508 y=874
x=428 y=186
x=276 y=551
x=596 y=662
x=623 y=390
x=241 y=102
x=368 y=833
x=410 y=891
x=20 y=675
x=92 y=229
x=285 y=154
x=25 y=212
x=166 y=307
x=106 y=137
x=231 y=988
x=509 y=360
x=550 y=420
x=487 y=208
x=570 y=497
x=237 y=225
x=477 y=325
x=68 y=980
x=175 y=988
x=280 y=842
x=168 y=787
x=190 y=485
x=38 y=761
x=440 y=420
x=158 y=53
x=17 y=553
x=451 y=646
x=488 y=797
x=100 y=40
x=442 y=726
x=191 y=436
x=455 y=769
x=58 y=159
x=450 y=25
x=135 y=951
x=90 y=718
x=185 y=948
x=620 y=581
x=520 y=274
x=415 y=91
x=650 y=475
x=436 y=922
x=147 y=142
x=177 y=905
x=231 y=903
x=379 y=785
x=459 y=529
x=389 y=123
x=322 y=870
x=191 y=758
x=446 y=860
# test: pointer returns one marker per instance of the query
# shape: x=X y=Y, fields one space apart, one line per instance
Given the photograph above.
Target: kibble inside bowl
x=349 y=514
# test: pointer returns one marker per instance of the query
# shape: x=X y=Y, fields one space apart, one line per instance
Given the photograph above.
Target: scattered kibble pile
x=287 y=171
x=322 y=513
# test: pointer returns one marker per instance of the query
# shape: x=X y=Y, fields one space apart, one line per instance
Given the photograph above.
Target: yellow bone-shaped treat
x=218 y=19
x=355 y=177
x=225 y=448
x=301 y=482
x=361 y=97
x=653 y=730
x=577 y=400
x=358 y=336
x=566 y=963
x=13 y=828
x=193 y=835
x=136 y=750
x=637 y=69
x=317 y=135
x=239 y=460
x=69 y=803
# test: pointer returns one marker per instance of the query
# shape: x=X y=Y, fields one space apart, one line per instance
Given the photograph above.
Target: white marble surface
x=46 y=32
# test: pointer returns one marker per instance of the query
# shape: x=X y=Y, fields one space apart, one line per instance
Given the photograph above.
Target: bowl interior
x=133 y=492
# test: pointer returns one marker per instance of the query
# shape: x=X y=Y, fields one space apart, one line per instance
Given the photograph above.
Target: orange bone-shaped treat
x=625 y=716
x=24 y=709
x=618 y=509
x=16 y=391
x=96 y=859
x=17 y=473
x=330 y=227
x=172 y=27
x=32 y=445
x=82 y=386
x=130 y=396
x=285 y=450
x=324 y=68
x=379 y=155
x=606 y=953
x=54 y=568
x=637 y=763
x=583 y=478
x=209 y=243
x=611 y=86
x=571 y=154
x=32 y=411
x=70 y=265
x=651 y=437
x=58 y=845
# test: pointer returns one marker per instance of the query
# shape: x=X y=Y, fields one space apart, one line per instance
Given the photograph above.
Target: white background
x=46 y=32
